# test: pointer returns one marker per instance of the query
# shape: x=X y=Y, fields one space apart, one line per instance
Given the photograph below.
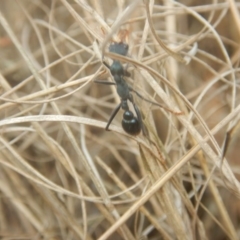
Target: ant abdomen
x=130 y=123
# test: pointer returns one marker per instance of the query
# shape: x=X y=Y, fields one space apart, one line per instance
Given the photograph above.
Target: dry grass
x=62 y=176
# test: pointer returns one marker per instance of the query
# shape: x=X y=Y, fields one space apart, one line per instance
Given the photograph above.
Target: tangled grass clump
x=62 y=176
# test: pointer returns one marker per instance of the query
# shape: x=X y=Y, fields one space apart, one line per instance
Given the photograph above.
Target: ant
x=130 y=123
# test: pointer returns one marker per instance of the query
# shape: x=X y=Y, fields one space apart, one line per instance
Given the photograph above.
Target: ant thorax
x=122 y=87
x=119 y=48
x=117 y=69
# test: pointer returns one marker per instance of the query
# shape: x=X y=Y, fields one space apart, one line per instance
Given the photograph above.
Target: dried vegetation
x=62 y=176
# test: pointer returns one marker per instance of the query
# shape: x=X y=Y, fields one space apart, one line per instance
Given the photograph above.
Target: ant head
x=119 y=48
x=119 y=43
x=123 y=36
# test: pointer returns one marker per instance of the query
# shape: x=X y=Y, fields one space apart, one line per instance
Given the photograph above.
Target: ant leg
x=104 y=82
x=139 y=116
x=126 y=73
x=228 y=137
x=106 y=64
x=154 y=103
x=113 y=114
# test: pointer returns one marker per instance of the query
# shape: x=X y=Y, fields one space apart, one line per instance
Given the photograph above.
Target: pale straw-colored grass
x=62 y=176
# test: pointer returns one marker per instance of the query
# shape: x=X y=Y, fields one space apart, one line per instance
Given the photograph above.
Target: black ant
x=131 y=124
